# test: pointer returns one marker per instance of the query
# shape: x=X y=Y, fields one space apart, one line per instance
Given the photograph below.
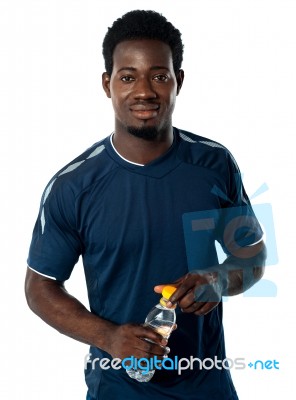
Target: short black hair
x=142 y=24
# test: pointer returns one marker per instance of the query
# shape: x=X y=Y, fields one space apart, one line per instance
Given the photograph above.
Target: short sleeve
x=238 y=225
x=55 y=247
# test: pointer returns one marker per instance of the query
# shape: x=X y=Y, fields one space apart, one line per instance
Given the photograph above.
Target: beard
x=145 y=132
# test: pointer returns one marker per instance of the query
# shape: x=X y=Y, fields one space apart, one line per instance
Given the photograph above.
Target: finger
x=196 y=299
x=187 y=284
x=188 y=300
x=151 y=349
x=207 y=293
x=145 y=332
x=144 y=347
x=159 y=288
x=193 y=308
x=149 y=352
x=206 y=308
x=201 y=308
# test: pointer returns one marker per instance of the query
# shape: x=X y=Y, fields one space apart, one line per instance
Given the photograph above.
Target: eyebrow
x=156 y=67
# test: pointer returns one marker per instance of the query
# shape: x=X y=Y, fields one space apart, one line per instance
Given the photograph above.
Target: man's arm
x=240 y=271
x=50 y=300
x=199 y=291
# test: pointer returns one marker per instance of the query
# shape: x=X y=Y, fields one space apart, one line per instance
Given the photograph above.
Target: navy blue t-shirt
x=138 y=226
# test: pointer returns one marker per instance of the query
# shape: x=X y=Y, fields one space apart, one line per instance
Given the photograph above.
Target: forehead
x=142 y=54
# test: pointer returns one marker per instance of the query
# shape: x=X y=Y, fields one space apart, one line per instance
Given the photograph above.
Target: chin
x=145 y=132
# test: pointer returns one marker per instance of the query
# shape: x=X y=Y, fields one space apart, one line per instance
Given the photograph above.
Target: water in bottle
x=162 y=320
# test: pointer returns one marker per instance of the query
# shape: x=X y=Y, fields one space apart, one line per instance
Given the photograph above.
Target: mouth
x=145 y=111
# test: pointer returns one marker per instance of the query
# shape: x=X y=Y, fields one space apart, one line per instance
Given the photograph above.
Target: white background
x=239 y=89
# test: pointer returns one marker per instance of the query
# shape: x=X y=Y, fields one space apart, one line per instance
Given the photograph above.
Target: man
x=143 y=208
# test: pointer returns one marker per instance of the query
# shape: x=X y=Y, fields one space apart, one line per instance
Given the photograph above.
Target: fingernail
x=164 y=342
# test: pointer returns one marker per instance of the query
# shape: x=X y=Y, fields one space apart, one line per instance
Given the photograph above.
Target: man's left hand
x=197 y=292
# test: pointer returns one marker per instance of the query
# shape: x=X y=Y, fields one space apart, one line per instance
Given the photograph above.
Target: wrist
x=103 y=333
x=223 y=282
x=219 y=279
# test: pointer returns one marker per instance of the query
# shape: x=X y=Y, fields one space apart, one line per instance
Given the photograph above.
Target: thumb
x=159 y=288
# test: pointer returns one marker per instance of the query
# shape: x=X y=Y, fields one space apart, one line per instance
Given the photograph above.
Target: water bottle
x=162 y=320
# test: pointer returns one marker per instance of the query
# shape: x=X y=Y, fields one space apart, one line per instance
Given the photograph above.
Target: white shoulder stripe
x=48 y=190
x=212 y=144
x=70 y=168
x=186 y=138
x=219 y=146
x=96 y=151
x=208 y=143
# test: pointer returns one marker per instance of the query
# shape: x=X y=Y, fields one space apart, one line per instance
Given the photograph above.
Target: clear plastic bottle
x=162 y=320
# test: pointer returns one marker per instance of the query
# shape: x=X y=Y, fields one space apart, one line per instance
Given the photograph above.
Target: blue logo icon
x=207 y=232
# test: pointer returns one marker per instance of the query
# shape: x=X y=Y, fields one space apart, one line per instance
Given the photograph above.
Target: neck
x=142 y=151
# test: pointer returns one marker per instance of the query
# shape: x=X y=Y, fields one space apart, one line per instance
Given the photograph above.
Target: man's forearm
x=238 y=281
x=241 y=271
x=51 y=302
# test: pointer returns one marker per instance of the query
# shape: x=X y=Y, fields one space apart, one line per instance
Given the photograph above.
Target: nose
x=144 y=89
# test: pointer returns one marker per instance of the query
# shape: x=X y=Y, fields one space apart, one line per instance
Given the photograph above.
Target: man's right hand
x=129 y=340
x=49 y=299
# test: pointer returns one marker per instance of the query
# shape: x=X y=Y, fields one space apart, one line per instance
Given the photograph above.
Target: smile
x=145 y=111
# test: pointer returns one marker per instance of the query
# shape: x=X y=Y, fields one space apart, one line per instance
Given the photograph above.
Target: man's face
x=143 y=87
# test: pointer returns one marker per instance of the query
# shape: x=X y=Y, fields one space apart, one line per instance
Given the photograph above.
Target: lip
x=144 y=111
x=144 y=114
x=144 y=107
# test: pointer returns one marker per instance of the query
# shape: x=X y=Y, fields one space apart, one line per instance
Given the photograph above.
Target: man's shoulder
x=198 y=142
x=202 y=151
x=83 y=170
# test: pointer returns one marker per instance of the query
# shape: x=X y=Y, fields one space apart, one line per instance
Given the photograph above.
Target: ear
x=180 y=79
x=106 y=84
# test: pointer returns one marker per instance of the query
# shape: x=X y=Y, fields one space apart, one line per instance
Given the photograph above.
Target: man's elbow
x=30 y=292
x=35 y=290
x=258 y=273
x=260 y=260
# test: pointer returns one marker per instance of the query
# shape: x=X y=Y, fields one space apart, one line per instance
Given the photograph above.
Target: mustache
x=144 y=105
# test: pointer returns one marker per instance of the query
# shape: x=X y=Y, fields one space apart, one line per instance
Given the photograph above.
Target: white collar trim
x=131 y=162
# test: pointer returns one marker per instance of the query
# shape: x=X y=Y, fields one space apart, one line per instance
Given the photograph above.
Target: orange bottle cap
x=167 y=291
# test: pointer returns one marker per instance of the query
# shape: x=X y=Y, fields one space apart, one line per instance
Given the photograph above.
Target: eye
x=161 y=77
x=127 y=78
